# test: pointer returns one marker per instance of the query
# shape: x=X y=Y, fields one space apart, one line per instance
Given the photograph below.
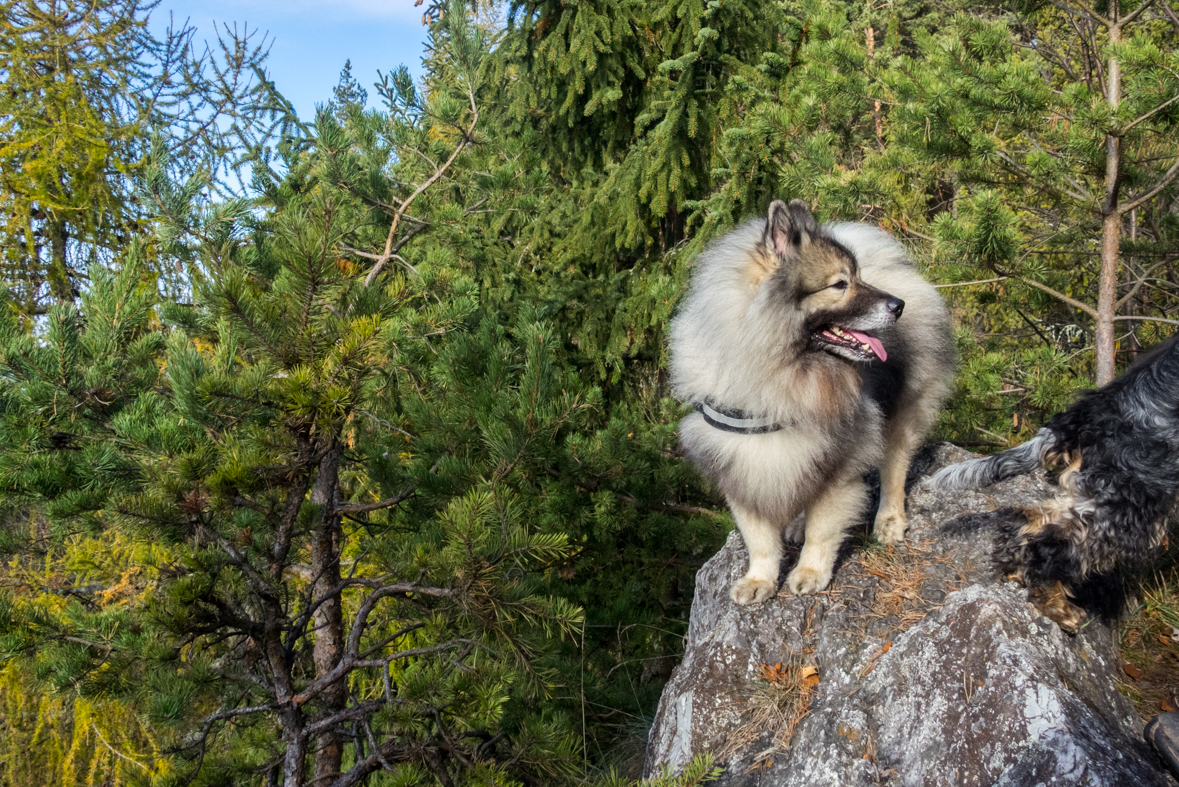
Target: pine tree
x=640 y=518
x=249 y=440
x=1053 y=130
x=358 y=602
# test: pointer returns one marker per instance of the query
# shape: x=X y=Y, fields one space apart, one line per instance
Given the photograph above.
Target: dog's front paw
x=752 y=590
x=804 y=580
x=1069 y=617
x=890 y=528
x=1055 y=604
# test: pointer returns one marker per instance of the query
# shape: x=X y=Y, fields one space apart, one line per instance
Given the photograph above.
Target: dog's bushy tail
x=991 y=469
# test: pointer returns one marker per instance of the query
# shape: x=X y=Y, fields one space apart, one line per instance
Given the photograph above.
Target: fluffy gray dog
x=792 y=347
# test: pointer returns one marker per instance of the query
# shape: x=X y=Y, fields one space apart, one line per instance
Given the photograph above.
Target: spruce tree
x=347 y=92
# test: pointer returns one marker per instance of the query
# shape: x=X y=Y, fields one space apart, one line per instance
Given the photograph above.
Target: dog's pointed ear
x=788 y=228
x=801 y=218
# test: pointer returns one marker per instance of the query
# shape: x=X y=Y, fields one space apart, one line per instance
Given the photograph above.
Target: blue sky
x=311 y=40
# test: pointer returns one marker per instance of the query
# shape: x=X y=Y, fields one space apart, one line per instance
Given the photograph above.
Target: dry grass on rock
x=906 y=589
x=774 y=705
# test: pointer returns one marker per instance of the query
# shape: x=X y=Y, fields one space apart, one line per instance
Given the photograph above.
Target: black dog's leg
x=1043 y=553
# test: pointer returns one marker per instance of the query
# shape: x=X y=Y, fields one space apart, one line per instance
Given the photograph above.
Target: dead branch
x=386 y=503
x=1161 y=184
x=438 y=173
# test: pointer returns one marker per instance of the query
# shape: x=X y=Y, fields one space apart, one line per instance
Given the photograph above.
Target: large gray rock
x=932 y=670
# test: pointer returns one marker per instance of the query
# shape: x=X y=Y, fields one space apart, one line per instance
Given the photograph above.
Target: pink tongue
x=871 y=341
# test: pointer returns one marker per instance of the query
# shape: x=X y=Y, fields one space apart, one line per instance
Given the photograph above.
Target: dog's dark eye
x=839 y=285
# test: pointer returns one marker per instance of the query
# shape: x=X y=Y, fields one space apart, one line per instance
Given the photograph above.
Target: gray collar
x=737 y=421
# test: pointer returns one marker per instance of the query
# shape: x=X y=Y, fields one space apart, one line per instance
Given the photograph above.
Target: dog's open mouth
x=859 y=345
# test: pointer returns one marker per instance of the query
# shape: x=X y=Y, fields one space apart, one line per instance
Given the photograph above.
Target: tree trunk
x=290 y=717
x=61 y=285
x=1107 y=294
x=326 y=541
x=293 y=754
x=1111 y=223
x=870 y=35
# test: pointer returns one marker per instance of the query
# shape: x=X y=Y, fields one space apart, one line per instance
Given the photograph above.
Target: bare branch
x=300 y=624
x=386 y=424
x=356 y=711
x=1171 y=14
x=1138 y=318
x=388 y=502
x=1061 y=296
x=1138 y=284
x=1130 y=17
x=380 y=758
x=107 y=649
x=1157 y=109
x=348 y=664
x=391 y=638
x=256 y=582
x=115 y=751
x=1081 y=12
x=286 y=527
x=1162 y=183
x=372 y=743
x=224 y=715
x=475 y=208
x=668 y=507
x=967 y=283
x=1023 y=171
x=1080 y=188
x=390 y=250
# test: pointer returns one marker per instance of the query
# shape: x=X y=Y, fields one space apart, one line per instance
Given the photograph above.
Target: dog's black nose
x=895 y=306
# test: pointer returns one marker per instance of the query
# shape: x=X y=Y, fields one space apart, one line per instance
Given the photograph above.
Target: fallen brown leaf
x=774 y=674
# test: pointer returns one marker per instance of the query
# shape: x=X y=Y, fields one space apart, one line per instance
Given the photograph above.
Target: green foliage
x=346 y=93
x=392 y=494
x=1009 y=118
x=85 y=86
x=493 y=488
x=205 y=437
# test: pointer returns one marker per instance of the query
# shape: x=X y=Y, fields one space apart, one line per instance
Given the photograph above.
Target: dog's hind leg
x=763 y=539
x=838 y=506
x=901 y=442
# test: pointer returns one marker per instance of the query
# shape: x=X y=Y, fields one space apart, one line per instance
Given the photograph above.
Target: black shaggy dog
x=1115 y=456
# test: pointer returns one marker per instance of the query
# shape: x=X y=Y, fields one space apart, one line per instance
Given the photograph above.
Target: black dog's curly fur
x=1115 y=456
